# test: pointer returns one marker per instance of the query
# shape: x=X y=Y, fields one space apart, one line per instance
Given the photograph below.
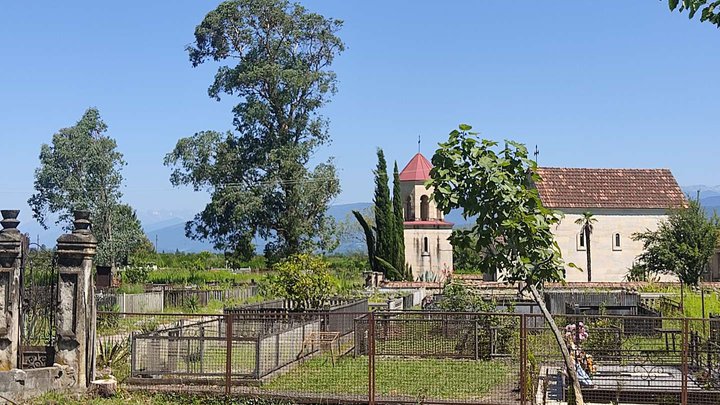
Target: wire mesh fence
x=421 y=357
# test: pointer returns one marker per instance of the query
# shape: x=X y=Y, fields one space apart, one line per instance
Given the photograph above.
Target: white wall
x=607 y=264
x=437 y=260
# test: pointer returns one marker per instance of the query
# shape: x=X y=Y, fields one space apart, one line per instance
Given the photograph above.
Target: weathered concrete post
x=75 y=316
x=10 y=242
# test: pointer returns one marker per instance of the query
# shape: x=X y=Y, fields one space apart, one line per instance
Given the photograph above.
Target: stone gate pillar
x=75 y=314
x=10 y=241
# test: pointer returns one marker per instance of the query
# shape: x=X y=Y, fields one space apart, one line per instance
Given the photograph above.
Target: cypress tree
x=399 y=253
x=383 y=214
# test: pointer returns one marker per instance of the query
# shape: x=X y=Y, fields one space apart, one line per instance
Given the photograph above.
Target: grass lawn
x=145 y=398
x=398 y=377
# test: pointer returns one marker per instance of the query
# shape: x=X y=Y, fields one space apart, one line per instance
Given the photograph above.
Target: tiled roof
x=418 y=169
x=608 y=188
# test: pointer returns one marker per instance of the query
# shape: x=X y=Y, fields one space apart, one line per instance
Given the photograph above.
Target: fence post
x=371 y=358
x=523 y=360
x=684 y=385
x=477 y=344
x=228 y=352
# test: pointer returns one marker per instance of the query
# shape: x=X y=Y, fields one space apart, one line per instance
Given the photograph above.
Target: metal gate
x=38 y=302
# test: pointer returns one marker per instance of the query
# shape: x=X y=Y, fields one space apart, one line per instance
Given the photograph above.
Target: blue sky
x=593 y=84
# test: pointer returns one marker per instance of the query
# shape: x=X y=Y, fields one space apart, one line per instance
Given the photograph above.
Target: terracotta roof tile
x=608 y=188
x=418 y=169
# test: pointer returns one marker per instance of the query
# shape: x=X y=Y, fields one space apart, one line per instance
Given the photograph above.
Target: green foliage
x=303 y=279
x=466 y=259
x=135 y=275
x=80 y=169
x=370 y=240
x=640 y=273
x=512 y=228
x=458 y=298
x=113 y=355
x=399 y=228
x=682 y=245
x=384 y=219
x=131 y=288
x=386 y=241
x=709 y=10
x=201 y=278
x=108 y=321
x=275 y=56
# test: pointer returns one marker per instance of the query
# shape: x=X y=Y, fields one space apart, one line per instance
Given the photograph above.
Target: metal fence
x=426 y=357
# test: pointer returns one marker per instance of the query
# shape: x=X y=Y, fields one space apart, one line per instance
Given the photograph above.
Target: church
x=622 y=201
x=427 y=246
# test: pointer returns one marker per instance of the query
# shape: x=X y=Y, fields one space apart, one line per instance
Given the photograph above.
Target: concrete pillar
x=10 y=242
x=75 y=316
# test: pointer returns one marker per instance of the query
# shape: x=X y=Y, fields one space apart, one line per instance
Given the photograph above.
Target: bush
x=303 y=279
x=135 y=275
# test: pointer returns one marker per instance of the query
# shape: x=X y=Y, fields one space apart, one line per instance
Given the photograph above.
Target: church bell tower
x=427 y=234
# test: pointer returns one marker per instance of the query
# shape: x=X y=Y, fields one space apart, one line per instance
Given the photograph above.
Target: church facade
x=622 y=201
x=427 y=246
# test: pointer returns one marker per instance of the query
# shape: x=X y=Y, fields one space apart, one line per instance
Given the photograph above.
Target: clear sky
x=592 y=83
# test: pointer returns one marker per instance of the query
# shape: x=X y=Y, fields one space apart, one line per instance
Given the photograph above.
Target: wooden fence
x=184 y=297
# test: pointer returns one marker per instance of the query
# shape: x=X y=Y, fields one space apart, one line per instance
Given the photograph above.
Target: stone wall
x=19 y=386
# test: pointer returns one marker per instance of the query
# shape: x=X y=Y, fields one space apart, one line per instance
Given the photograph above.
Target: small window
x=426 y=245
x=581 y=241
x=424 y=208
x=616 y=242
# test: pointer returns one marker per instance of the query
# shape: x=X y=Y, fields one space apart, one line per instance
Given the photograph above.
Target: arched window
x=409 y=214
x=424 y=208
x=426 y=245
x=616 y=242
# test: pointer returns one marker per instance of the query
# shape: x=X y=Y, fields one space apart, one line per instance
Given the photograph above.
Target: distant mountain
x=705 y=191
x=709 y=197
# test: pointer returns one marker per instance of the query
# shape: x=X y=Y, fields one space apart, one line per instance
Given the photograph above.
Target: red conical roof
x=418 y=169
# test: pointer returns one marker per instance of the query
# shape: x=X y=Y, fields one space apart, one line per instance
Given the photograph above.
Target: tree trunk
x=569 y=362
x=587 y=253
x=104 y=388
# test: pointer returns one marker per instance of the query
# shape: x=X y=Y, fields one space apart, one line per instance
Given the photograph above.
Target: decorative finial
x=9 y=220
x=82 y=221
x=418 y=143
x=536 y=153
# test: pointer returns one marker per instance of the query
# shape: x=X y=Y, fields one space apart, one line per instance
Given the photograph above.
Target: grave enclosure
x=47 y=313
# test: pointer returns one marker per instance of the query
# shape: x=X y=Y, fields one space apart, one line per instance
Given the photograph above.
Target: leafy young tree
x=512 y=228
x=399 y=228
x=80 y=169
x=682 y=245
x=303 y=279
x=709 y=10
x=128 y=237
x=275 y=57
x=586 y=228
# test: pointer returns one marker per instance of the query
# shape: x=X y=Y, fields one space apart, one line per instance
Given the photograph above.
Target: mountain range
x=169 y=230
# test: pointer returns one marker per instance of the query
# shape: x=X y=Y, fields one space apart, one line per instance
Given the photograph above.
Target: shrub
x=303 y=279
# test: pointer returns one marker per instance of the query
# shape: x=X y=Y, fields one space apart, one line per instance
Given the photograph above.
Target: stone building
x=623 y=201
x=427 y=245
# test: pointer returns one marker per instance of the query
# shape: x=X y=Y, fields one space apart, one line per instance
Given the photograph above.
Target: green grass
x=145 y=398
x=184 y=276
x=401 y=377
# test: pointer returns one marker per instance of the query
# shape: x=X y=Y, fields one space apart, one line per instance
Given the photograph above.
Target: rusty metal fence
x=421 y=357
